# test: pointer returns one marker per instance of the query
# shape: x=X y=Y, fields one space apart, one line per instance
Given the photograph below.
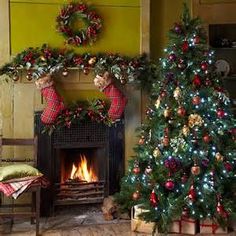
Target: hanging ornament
x=184 y=178
x=196 y=39
x=181 y=111
x=181 y=65
x=221 y=210
x=228 y=166
x=196 y=80
x=195 y=170
x=65 y=72
x=156 y=152
x=196 y=100
x=141 y=140
x=148 y=170
x=92 y=60
x=208 y=82
x=192 y=194
x=153 y=199
x=177 y=93
x=158 y=102
x=167 y=112
x=163 y=94
x=178 y=28
x=166 y=141
x=204 y=66
x=136 y=195
x=206 y=138
x=219 y=157
x=195 y=120
x=185 y=46
x=220 y=113
x=136 y=170
x=172 y=57
x=185 y=130
x=169 y=184
x=205 y=162
x=29 y=76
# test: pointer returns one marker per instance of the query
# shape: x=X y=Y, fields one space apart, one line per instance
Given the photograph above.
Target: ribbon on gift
x=214 y=227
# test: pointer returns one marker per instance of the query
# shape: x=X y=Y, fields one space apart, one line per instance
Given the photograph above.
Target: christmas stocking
x=54 y=102
x=118 y=101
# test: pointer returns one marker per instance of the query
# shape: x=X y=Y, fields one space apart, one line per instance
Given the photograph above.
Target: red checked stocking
x=118 y=101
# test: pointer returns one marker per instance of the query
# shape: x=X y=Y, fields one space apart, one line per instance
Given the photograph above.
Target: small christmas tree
x=185 y=157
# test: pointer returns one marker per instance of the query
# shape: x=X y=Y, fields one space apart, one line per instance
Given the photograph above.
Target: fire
x=82 y=171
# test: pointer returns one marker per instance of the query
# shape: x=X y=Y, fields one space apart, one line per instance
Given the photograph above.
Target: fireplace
x=84 y=163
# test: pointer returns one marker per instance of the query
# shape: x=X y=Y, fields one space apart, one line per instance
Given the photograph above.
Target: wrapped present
x=139 y=225
x=184 y=226
x=209 y=227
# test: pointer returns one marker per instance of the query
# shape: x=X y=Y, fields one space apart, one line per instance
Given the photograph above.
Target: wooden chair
x=34 y=189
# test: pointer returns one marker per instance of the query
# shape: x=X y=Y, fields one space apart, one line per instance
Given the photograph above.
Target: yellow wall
x=33 y=23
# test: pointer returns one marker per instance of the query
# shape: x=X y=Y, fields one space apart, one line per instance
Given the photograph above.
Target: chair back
x=19 y=142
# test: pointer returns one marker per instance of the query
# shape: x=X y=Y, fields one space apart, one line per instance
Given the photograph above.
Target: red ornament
x=136 y=170
x=153 y=199
x=185 y=212
x=170 y=184
x=196 y=100
x=196 y=39
x=166 y=141
x=208 y=82
x=163 y=94
x=206 y=138
x=228 y=166
x=221 y=210
x=185 y=46
x=192 y=194
x=181 y=111
x=141 y=140
x=184 y=178
x=172 y=57
x=220 y=113
x=197 y=80
x=136 y=195
x=204 y=66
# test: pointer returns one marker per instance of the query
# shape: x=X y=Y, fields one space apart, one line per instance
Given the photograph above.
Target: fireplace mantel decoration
x=82 y=12
x=94 y=110
x=45 y=59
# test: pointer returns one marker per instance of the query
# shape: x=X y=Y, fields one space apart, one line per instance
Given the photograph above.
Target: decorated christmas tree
x=185 y=161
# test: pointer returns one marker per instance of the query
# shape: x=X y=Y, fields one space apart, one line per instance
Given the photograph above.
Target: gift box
x=184 y=226
x=209 y=227
x=139 y=225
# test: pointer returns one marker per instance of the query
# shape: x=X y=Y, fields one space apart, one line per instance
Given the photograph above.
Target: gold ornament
x=185 y=130
x=195 y=120
x=157 y=103
x=167 y=112
x=219 y=157
x=177 y=93
x=156 y=152
x=92 y=60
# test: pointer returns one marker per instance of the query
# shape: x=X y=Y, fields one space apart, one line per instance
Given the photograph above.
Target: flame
x=82 y=171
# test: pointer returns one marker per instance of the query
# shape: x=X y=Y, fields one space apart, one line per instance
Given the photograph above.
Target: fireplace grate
x=75 y=193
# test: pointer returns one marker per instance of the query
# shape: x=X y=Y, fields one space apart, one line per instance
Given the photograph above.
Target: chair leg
x=37 y=210
x=33 y=207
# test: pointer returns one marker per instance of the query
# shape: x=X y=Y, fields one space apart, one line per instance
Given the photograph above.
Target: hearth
x=84 y=163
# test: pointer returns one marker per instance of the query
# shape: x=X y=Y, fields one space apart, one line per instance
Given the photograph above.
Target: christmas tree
x=185 y=157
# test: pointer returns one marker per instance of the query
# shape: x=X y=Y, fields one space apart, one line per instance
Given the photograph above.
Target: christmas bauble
x=136 y=170
x=172 y=57
x=148 y=170
x=153 y=199
x=204 y=66
x=219 y=157
x=16 y=77
x=29 y=76
x=136 y=195
x=141 y=140
x=167 y=112
x=196 y=100
x=170 y=184
x=177 y=93
x=192 y=194
x=166 y=141
x=65 y=72
x=184 y=178
x=221 y=210
x=156 y=152
x=220 y=113
x=185 y=130
x=228 y=166
x=177 y=28
x=208 y=82
x=163 y=94
x=197 y=80
x=181 y=111
x=195 y=170
x=92 y=60
x=196 y=39
x=185 y=46
x=181 y=65
x=206 y=138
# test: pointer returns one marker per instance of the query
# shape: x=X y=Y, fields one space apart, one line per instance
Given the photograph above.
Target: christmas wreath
x=69 y=14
